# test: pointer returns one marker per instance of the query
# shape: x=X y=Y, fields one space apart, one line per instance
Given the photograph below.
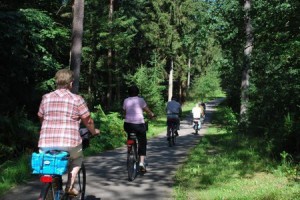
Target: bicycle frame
x=53 y=184
x=196 y=124
x=52 y=187
x=172 y=127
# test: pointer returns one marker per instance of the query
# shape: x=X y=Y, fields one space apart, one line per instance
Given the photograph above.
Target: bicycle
x=196 y=125
x=53 y=188
x=132 y=156
x=53 y=183
x=172 y=128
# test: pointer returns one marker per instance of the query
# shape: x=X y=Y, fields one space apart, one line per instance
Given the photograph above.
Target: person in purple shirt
x=134 y=107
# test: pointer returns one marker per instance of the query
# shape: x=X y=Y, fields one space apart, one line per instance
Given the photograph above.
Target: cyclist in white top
x=198 y=113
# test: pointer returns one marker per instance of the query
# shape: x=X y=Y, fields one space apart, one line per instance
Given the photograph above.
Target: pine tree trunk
x=247 y=56
x=109 y=59
x=189 y=74
x=77 y=32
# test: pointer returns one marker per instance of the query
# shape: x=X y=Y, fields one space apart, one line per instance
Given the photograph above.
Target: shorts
x=170 y=121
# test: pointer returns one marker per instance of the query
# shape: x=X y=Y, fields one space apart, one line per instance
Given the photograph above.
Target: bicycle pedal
x=143 y=170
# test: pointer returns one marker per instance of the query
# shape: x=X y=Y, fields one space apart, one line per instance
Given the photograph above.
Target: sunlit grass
x=13 y=173
x=229 y=166
x=156 y=126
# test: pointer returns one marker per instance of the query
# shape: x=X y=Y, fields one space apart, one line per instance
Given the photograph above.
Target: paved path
x=107 y=175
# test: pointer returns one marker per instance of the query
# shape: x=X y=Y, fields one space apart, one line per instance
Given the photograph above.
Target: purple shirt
x=134 y=110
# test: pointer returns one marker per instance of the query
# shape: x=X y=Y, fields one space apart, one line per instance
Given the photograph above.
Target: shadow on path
x=107 y=174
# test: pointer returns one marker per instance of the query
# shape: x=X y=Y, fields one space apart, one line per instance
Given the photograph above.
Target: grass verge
x=225 y=165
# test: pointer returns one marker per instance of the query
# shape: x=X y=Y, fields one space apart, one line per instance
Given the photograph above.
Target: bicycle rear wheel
x=48 y=192
x=196 y=128
x=170 y=129
x=132 y=162
x=173 y=138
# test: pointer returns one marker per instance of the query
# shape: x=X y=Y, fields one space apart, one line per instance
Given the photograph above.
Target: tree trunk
x=109 y=58
x=189 y=74
x=247 y=56
x=170 y=90
x=77 y=32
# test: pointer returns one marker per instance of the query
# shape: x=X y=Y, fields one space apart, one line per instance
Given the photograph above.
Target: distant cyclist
x=174 y=112
x=134 y=106
x=197 y=114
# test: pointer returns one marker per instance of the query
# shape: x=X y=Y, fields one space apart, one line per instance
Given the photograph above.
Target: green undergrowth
x=228 y=165
x=14 y=173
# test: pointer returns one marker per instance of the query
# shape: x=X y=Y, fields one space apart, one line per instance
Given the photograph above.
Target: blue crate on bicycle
x=49 y=163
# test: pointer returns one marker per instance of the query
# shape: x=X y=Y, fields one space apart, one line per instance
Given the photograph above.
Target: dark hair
x=174 y=98
x=133 y=91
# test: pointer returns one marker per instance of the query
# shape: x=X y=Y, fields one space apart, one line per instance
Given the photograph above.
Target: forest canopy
x=200 y=43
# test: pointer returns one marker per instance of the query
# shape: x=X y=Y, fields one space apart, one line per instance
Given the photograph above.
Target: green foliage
x=227 y=119
x=14 y=172
x=148 y=80
x=233 y=166
x=18 y=135
x=275 y=75
x=287 y=167
x=206 y=86
x=274 y=97
x=32 y=50
x=112 y=134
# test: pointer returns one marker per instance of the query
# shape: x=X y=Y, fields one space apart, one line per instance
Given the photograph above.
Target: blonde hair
x=63 y=78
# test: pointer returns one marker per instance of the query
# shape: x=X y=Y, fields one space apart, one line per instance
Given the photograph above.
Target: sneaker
x=71 y=191
x=176 y=133
x=142 y=167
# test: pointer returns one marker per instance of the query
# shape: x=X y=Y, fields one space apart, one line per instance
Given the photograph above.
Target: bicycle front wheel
x=80 y=183
x=132 y=163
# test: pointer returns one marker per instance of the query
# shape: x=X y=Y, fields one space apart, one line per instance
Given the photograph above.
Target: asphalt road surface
x=107 y=175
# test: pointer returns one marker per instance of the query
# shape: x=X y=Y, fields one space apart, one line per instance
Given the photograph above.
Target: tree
x=247 y=59
x=77 y=33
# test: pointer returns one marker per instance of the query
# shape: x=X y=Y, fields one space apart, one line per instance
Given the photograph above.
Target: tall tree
x=109 y=56
x=77 y=33
x=247 y=55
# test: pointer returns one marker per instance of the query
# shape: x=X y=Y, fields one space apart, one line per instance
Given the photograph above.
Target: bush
x=112 y=134
x=226 y=118
x=18 y=135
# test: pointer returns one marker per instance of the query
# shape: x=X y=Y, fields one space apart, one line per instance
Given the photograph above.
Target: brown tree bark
x=109 y=59
x=77 y=33
x=247 y=56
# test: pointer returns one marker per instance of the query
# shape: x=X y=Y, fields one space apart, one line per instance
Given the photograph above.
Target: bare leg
x=142 y=159
x=71 y=180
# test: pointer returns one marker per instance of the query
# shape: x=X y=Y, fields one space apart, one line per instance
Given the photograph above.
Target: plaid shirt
x=61 y=111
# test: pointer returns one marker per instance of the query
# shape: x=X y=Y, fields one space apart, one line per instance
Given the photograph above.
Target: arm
x=41 y=119
x=149 y=112
x=89 y=123
x=180 y=112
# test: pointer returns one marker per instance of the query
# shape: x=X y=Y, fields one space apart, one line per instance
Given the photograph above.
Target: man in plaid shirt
x=60 y=113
